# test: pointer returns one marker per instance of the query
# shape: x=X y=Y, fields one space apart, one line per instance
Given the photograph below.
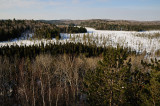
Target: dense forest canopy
x=10 y=29
x=53 y=49
x=73 y=29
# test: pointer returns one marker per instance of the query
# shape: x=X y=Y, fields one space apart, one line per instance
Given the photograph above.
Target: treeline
x=10 y=29
x=47 y=32
x=107 y=25
x=53 y=49
x=73 y=29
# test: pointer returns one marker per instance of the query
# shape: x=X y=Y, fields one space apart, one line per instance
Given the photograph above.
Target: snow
x=128 y=39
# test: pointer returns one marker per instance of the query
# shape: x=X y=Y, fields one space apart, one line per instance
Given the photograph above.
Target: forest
x=108 y=24
x=73 y=29
x=62 y=74
x=77 y=74
x=121 y=25
x=11 y=29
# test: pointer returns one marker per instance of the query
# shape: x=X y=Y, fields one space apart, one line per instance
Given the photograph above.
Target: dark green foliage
x=47 y=32
x=114 y=83
x=54 y=49
x=107 y=84
x=10 y=29
x=73 y=29
x=154 y=85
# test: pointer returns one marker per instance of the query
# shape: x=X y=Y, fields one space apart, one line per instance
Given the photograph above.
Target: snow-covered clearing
x=136 y=41
x=130 y=39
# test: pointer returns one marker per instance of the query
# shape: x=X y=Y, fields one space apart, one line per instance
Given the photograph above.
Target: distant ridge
x=132 y=22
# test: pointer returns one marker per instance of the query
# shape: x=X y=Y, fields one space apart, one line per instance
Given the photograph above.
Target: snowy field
x=136 y=41
x=131 y=39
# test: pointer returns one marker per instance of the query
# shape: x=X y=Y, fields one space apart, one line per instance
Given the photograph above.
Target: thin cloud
x=26 y=3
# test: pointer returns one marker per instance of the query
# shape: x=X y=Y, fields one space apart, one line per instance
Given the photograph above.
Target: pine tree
x=105 y=85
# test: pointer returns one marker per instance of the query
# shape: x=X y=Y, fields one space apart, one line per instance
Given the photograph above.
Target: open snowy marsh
x=148 y=41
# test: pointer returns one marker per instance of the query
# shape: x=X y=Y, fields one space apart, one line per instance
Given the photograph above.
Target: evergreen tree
x=106 y=85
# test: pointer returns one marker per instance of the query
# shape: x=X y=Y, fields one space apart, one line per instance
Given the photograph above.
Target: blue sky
x=142 y=10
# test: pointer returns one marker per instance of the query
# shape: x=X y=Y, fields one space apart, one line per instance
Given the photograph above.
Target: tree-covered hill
x=106 y=24
x=10 y=29
x=121 y=25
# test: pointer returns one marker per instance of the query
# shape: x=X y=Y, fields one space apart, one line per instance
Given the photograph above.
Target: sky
x=141 y=10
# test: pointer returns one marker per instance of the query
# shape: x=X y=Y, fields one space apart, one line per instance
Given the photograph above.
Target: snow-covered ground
x=130 y=39
x=100 y=38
